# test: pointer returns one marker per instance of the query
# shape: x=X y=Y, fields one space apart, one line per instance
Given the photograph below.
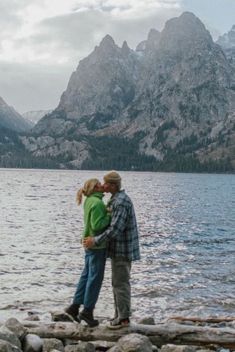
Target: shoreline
x=179 y=334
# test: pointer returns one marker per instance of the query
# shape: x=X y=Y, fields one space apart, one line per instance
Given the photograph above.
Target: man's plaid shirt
x=122 y=234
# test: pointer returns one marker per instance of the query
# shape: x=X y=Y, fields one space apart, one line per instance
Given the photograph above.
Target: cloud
x=58 y=31
x=9 y=20
x=32 y=87
x=41 y=42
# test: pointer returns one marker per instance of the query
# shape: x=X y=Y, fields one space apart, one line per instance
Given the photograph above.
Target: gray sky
x=41 y=41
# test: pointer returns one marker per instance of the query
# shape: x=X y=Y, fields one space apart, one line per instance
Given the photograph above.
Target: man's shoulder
x=123 y=198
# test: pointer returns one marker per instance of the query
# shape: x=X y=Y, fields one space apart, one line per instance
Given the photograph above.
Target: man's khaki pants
x=121 y=287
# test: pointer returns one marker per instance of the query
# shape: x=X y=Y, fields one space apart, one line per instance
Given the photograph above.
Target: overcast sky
x=42 y=41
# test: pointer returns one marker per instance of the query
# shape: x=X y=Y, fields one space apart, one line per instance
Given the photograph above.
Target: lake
x=187 y=233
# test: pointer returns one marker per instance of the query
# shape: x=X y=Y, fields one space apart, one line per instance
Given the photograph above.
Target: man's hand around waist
x=88 y=242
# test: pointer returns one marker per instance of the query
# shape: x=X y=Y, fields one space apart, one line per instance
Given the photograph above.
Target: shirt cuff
x=97 y=242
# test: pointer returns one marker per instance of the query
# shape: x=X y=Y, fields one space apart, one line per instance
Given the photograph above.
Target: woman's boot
x=73 y=311
x=87 y=316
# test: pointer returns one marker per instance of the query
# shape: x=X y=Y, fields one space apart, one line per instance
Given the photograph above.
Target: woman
x=96 y=220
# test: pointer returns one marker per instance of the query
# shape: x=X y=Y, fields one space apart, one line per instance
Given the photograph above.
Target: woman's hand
x=109 y=210
x=88 y=242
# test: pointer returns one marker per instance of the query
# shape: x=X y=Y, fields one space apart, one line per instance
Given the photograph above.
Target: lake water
x=187 y=234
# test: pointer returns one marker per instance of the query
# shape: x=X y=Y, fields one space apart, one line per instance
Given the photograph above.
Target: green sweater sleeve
x=100 y=218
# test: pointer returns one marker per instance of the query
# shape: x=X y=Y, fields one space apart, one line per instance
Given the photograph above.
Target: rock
x=32 y=343
x=102 y=345
x=6 y=346
x=8 y=335
x=134 y=343
x=81 y=347
x=50 y=344
x=16 y=327
x=115 y=349
x=181 y=348
x=146 y=321
x=99 y=345
x=32 y=318
x=159 y=334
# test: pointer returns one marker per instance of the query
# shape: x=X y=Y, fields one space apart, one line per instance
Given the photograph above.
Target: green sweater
x=96 y=217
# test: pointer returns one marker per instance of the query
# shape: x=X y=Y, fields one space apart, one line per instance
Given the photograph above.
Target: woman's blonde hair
x=87 y=189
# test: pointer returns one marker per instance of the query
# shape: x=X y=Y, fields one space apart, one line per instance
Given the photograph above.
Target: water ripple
x=186 y=225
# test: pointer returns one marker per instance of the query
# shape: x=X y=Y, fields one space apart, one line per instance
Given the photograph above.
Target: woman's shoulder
x=94 y=200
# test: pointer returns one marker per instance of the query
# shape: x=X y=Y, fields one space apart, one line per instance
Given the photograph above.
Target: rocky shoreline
x=177 y=334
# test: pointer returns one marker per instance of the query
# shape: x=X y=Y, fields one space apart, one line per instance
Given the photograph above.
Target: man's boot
x=87 y=316
x=73 y=311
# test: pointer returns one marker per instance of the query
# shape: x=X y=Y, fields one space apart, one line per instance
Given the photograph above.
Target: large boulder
x=80 y=347
x=179 y=348
x=9 y=336
x=16 y=327
x=134 y=343
x=6 y=346
x=52 y=344
x=33 y=343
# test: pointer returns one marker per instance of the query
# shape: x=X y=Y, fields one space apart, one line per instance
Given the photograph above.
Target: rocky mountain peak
x=153 y=36
x=173 y=96
x=102 y=84
x=125 y=48
x=151 y=42
x=184 y=31
x=141 y=47
x=105 y=50
x=11 y=119
x=2 y=102
x=107 y=41
x=227 y=41
x=107 y=45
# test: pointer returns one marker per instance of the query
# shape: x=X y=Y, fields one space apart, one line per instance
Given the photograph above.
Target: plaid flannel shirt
x=122 y=234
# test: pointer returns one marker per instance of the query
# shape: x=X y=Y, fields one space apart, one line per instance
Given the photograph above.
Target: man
x=122 y=247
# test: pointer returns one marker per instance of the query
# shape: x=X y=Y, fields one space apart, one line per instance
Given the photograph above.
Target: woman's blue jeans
x=89 y=285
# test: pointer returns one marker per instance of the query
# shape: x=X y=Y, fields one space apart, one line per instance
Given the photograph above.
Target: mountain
x=11 y=119
x=34 y=116
x=12 y=151
x=168 y=105
x=227 y=43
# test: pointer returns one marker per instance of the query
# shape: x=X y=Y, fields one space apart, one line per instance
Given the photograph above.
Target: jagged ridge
x=171 y=98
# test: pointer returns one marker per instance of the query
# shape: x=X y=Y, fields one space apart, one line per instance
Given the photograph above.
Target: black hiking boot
x=73 y=311
x=87 y=316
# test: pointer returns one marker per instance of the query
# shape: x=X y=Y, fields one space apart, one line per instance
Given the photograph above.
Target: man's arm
x=116 y=228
